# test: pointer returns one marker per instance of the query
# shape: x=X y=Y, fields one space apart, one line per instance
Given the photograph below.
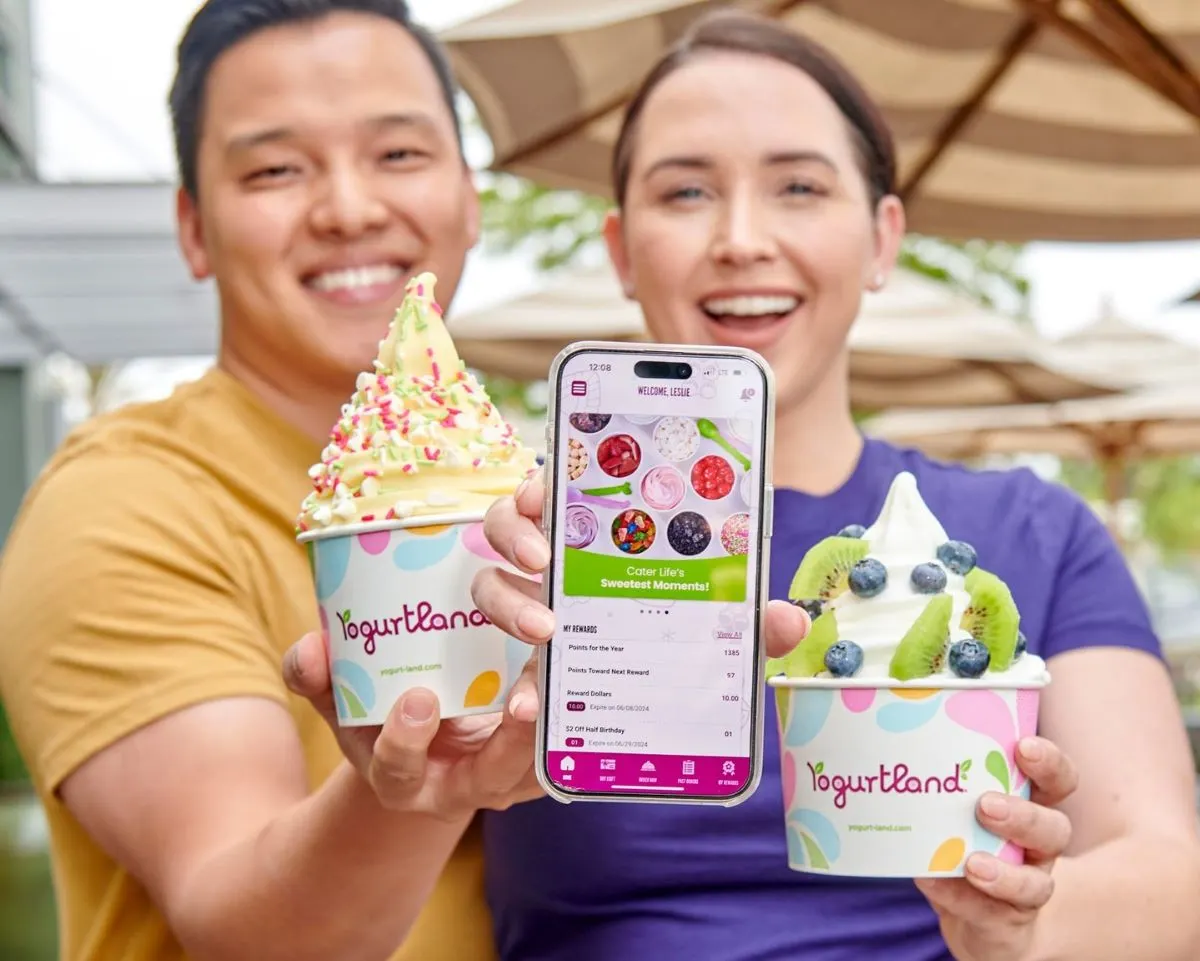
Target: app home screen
x=657 y=527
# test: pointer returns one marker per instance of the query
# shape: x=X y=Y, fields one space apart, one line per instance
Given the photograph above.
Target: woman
x=750 y=165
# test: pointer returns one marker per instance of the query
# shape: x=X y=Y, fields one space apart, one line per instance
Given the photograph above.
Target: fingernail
x=1031 y=749
x=521 y=707
x=521 y=489
x=535 y=621
x=983 y=867
x=533 y=552
x=994 y=806
x=418 y=707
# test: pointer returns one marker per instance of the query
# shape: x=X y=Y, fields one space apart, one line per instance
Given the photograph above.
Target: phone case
x=649 y=352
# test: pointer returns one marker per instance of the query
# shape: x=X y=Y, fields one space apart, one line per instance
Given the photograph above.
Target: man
x=152 y=584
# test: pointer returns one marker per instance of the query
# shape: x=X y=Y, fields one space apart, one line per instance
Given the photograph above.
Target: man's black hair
x=221 y=24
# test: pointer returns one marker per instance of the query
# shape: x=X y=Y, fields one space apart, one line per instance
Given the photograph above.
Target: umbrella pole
x=1113 y=467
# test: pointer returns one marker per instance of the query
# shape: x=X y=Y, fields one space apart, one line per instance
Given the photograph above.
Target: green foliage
x=28 y=929
x=985 y=271
x=514 y=395
x=552 y=225
x=1167 y=491
x=12 y=768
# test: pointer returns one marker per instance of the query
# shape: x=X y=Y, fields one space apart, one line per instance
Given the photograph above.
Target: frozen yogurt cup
x=676 y=438
x=618 y=455
x=663 y=488
x=580 y=527
x=747 y=490
x=712 y=477
x=589 y=423
x=394 y=527
x=735 y=534
x=904 y=704
x=396 y=608
x=742 y=429
x=577 y=459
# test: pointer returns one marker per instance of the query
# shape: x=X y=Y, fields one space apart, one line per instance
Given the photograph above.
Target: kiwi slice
x=807 y=659
x=992 y=617
x=823 y=572
x=922 y=651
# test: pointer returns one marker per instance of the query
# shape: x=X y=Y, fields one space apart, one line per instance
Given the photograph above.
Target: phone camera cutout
x=662 y=370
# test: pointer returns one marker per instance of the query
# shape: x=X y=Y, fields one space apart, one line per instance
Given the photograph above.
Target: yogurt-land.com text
x=896 y=779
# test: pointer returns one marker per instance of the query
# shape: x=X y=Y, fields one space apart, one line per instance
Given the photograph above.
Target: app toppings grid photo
x=658 y=506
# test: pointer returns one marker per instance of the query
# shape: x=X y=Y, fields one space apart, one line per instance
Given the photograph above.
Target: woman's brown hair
x=732 y=32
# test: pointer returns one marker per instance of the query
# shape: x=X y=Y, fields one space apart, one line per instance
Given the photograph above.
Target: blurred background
x=1047 y=313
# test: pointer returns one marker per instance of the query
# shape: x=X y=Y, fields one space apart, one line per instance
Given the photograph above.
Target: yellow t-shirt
x=153 y=566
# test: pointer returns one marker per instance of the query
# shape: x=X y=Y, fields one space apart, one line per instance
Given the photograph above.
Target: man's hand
x=417 y=762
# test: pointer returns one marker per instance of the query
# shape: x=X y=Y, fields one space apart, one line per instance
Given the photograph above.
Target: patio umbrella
x=1113 y=347
x=916 y=343
x=1159 y=421
x=1015 y=119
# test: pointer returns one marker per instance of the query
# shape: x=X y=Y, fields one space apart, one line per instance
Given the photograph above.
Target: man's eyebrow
x=257 y=138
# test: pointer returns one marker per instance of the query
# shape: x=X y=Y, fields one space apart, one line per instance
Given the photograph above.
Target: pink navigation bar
x=653 y=774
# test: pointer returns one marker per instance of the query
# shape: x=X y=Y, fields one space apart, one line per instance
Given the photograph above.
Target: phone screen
x=657 y=496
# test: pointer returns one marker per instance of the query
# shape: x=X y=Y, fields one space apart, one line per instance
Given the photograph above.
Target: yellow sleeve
x=118 y=606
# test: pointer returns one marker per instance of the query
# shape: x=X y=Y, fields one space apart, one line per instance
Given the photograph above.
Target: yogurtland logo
x=421 y=619
x=896 y=779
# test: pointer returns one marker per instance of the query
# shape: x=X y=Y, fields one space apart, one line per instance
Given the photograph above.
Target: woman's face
x=747 y=221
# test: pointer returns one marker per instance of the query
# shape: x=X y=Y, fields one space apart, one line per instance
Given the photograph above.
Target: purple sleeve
x=1096 y=602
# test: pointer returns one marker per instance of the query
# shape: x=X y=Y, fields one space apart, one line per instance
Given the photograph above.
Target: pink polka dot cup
x=882 y=778
x=396 y=607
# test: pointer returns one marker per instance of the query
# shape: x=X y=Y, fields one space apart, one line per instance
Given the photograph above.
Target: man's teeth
x=750 y=306
x=356 y=278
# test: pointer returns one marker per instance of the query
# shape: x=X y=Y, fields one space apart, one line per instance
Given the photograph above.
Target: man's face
x=328 y=174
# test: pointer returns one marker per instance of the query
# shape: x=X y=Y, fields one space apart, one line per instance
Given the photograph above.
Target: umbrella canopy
x=1155 y=422
x=916 y=343
x=1015 y=119
x=1113 y=347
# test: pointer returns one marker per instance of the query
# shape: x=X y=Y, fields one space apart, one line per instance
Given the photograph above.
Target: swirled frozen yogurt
x=902 y=600
x=419 y=436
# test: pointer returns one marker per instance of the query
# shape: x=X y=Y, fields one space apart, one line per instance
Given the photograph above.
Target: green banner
x=712 y=579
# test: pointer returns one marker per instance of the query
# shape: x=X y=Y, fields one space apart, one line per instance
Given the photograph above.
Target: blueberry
x=959 y=556
x=868 y=577
x=813 y=609
x=843 y=659
x=852 y=530
x=969 y=658
x=928 y=579
x=1021 y=644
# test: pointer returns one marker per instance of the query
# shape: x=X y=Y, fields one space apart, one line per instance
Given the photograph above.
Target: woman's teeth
x=750 y=308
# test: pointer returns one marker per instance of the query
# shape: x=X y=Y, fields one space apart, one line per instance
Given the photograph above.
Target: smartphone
x=658 y=513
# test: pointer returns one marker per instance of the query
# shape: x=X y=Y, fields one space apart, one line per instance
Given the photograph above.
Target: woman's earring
x=876 y=283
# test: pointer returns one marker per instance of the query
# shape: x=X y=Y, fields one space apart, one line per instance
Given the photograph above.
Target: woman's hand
x=513 y=603
x=417 y=762
x=990 y=914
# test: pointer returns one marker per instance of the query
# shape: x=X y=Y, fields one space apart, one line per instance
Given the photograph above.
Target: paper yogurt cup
x=882 y=779
x=396 y=609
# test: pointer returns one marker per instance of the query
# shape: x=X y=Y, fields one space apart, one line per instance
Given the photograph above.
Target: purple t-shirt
x=598 y=882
